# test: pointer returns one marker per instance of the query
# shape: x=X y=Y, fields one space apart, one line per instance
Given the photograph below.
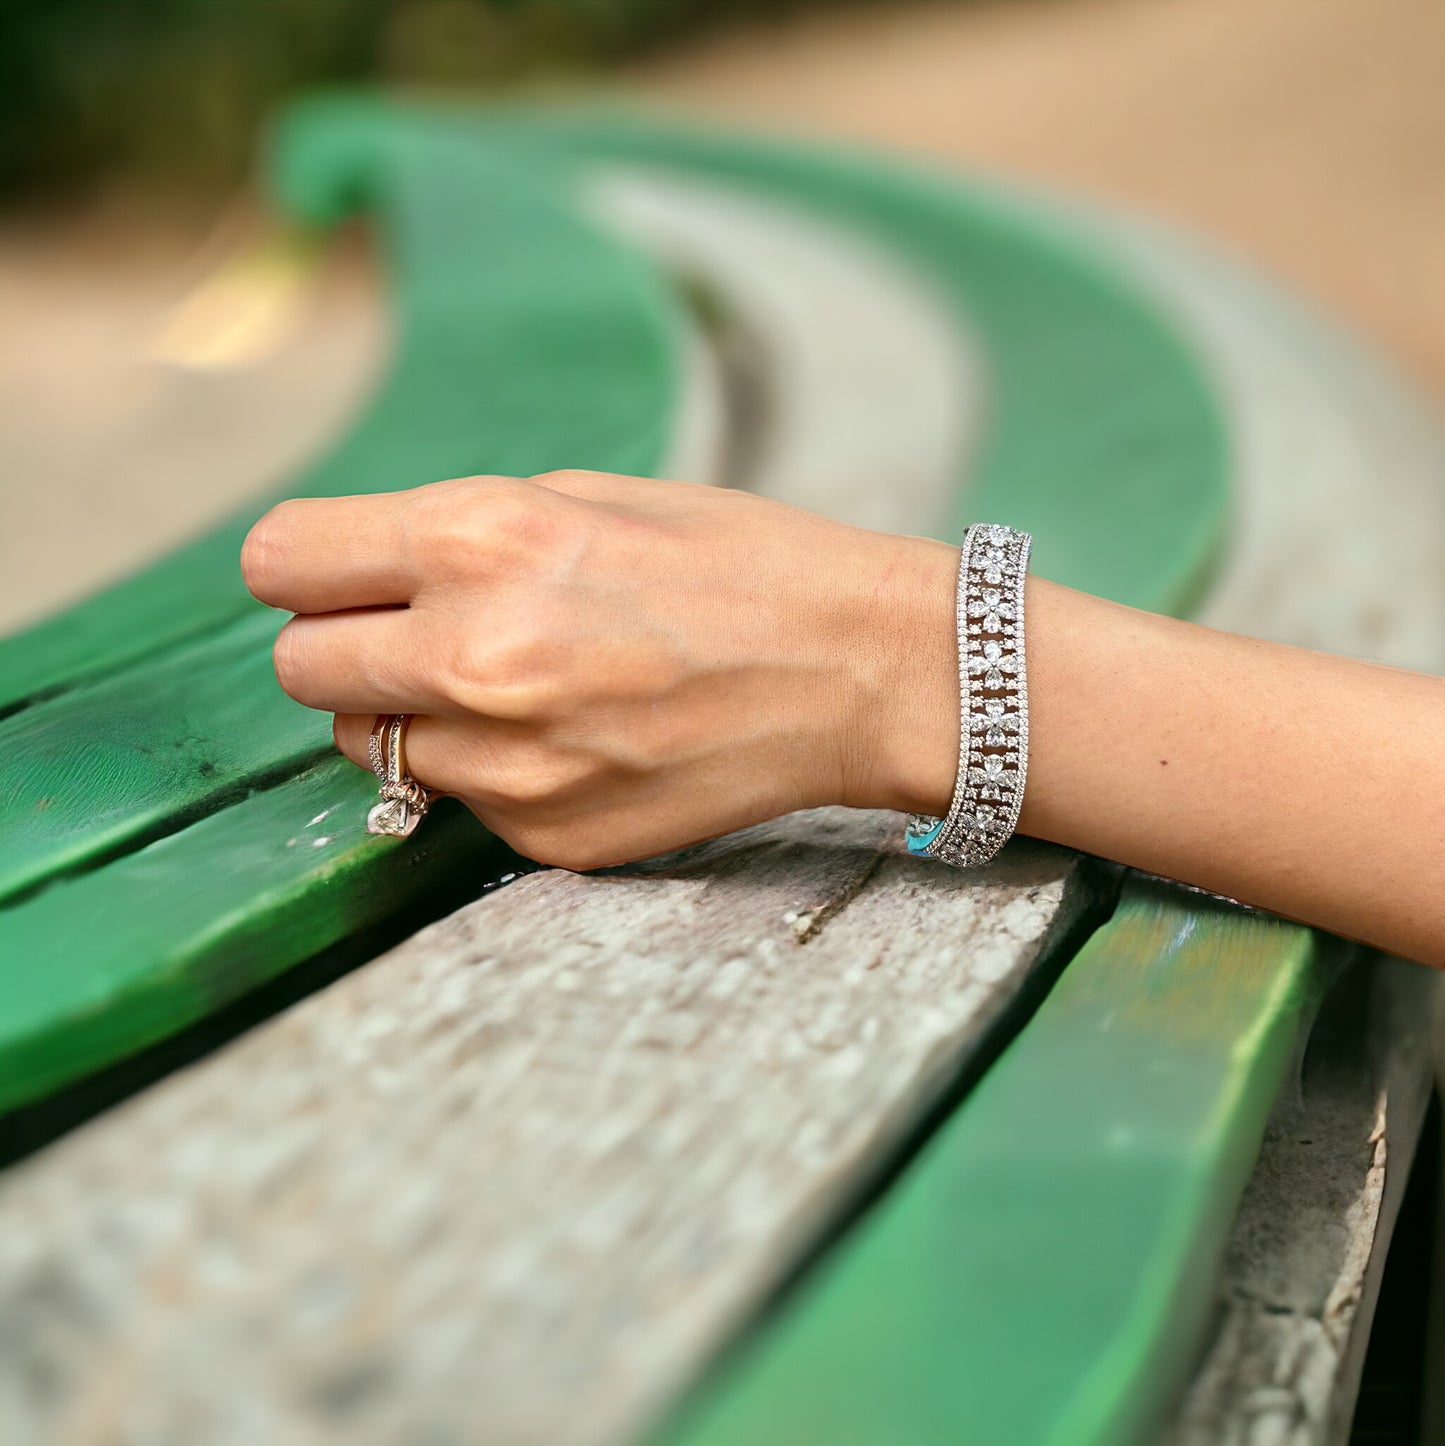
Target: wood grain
x=1039 y=1276
x=1302 y=1269
x=517 y=1178
x=90 y=773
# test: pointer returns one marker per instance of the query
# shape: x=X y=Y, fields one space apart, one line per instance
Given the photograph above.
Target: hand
x=603 y=668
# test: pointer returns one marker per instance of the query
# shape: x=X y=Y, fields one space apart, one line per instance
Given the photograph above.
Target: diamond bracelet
x=993 y=748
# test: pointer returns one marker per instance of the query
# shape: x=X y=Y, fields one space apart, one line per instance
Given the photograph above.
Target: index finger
x=323 y=554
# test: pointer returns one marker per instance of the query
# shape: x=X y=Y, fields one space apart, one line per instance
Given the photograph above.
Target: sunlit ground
x=158 y=368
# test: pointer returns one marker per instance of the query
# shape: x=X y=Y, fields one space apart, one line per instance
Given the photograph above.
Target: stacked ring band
x=404 y=801
x=993 y=749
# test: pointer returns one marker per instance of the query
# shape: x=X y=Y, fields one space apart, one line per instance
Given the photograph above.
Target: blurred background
x=172 y=349
x=169 y=350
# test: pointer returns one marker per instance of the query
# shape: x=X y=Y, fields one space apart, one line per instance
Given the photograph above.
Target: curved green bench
x=177 y=834
x=151 y=707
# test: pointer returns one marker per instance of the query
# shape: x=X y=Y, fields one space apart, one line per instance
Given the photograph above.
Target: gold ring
x=404 y=801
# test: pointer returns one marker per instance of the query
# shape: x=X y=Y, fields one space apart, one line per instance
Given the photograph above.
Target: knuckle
x=468 y=526
x=261 y=559
x=288 y=657
x=445 y=528
x=501 y=677
x=574 y=480
x=532 y=777
x=523 y=526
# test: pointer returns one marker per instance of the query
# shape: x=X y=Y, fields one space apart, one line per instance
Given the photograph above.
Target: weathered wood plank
x=1301 y=1272
x=1338 y=511
x=1041 y=1272
x=513 y=1180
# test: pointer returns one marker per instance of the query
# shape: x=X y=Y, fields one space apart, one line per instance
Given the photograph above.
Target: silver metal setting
x=404 y=801
x=993 y=749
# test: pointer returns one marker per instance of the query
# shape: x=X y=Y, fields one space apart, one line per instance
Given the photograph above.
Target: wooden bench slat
x=92 y=771
x=1302 y=1269
x=853 y=366
x=1032 y=1277
x=95 y=968
x=516 y=1178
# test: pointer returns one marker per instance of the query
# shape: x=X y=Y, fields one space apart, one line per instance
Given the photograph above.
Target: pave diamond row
x=993 y=694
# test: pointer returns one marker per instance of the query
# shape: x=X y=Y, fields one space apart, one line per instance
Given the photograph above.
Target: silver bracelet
x=993 y=747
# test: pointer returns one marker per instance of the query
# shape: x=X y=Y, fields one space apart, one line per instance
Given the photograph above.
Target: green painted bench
x=787 y=1137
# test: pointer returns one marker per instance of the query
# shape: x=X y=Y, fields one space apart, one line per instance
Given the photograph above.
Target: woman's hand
x=604 y=668
x=607 y=667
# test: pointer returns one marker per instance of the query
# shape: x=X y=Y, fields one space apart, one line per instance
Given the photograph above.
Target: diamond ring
x=404 y=801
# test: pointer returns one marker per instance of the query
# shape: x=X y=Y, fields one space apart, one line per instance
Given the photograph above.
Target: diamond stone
x=393 y=816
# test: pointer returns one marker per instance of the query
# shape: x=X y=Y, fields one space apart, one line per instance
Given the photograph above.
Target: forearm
x=604 y=668
x=1307 y=784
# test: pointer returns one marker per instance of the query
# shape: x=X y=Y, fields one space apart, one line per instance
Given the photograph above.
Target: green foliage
x=177 y=88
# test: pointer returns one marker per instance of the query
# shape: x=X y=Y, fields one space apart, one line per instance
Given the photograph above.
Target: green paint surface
x=143 y=751
x=1041 y=1272
x=100 y=967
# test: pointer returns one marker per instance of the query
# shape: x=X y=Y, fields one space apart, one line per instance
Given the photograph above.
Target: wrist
x=904 y=730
